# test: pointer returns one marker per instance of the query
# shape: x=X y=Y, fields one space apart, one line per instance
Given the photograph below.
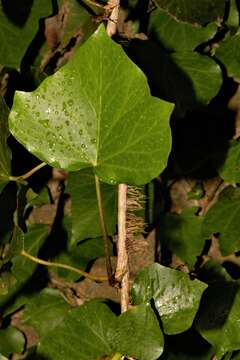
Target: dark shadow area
x=17 y=11
x=232 y=269
x=8 y=203
x=216 y=304
x=37 y=357
x=189 y=344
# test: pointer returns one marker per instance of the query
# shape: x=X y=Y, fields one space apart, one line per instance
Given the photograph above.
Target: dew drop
x=93 y=141
x=89 y=124
x=70 y=102
x=44 y=122
x=80 y=132
x=83 y=146
x=67 y=122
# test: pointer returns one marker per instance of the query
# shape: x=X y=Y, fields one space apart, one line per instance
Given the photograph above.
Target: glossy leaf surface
x=176 y=297
x=193 y=11
x=124 y=135
x=84 y=208
x=223 y=218
x=92 y=330
x=19 y=23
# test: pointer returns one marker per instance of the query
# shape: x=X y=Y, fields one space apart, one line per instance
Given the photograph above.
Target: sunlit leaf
x=176 y=297
x=76 y=118
x=230 y=169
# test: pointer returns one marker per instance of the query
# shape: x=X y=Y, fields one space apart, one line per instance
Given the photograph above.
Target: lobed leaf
x=176 y=297
x=96 y=111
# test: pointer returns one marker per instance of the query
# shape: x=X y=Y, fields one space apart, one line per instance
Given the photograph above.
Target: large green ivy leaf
x=176 y=297
x=194 y=11
x=19 y=23
x=230 y=169
x=177 y=36
x=92 y=330
x=96 y=111
x=84 y=208
x=218 y=317
x=228 y=53
x=5 y=154
x=223 y=218
x=182 y=234
x=11 y=341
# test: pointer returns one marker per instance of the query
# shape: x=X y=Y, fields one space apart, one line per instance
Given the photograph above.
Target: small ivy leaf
x=218 y=317
x=230 y=169
x=96 y=111
x=5 y=153
x=228 y=53
x=223 y=218
x=176 y=297
x=184 y=36
x=84 y=207
x=182 y=234
x=11 y=341
x=194 y=11
x=19 y=23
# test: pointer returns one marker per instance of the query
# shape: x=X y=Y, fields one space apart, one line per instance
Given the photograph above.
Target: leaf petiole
x=28 y=174
x=63 y=266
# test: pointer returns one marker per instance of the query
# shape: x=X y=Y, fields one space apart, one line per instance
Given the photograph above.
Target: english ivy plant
x=97 y=97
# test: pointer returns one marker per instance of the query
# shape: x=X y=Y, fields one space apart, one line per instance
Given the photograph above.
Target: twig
x=122 y=272
x=104 y=230
x=113 y=18
x=28 y=174
x=63 y=266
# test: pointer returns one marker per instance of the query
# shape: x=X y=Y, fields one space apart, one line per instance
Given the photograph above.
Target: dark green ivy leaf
x=11 y=341
x=223 y=218
x=228 y=52
x=19 y=23
x=194 y=11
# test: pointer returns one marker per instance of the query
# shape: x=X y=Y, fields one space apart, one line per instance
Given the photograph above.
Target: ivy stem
x=28 y=174
x=122 y=271
x=63 y=266
x=104 y=230
x=117 y=356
